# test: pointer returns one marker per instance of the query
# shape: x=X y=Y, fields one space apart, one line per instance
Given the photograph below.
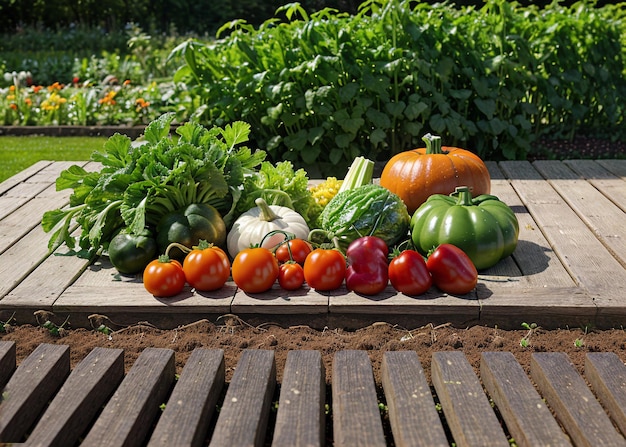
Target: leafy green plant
x=323 y=88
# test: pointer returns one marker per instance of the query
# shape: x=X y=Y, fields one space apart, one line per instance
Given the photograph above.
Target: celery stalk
x=360 y=173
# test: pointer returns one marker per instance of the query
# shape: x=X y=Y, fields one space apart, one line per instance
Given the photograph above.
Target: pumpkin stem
x=464 y=196
x=267 y=214
x=433 y=144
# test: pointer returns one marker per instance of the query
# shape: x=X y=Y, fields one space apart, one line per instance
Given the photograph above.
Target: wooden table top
x=569 y=268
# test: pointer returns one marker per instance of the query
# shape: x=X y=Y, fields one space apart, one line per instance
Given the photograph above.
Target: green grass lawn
x=18 y=153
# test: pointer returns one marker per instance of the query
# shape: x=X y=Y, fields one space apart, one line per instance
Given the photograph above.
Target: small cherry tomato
x=325 y=269
x=255 y=269
x=164 y=277
x=452 y=270
x=206 y=267
x=300 y=249
x=408 y=273
x=290 y=276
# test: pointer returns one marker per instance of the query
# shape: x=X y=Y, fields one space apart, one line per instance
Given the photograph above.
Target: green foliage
x=320 y=89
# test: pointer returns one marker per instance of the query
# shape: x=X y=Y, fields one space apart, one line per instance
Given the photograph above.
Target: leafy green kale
x=140 y=182
x=280 y=185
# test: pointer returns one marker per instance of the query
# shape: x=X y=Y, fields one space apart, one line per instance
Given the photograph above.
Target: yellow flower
x=323 y=192
x=54 y=102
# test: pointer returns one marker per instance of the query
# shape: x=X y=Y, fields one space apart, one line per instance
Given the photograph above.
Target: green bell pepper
x=484 y=227
x=188 y=226
x=131 y=253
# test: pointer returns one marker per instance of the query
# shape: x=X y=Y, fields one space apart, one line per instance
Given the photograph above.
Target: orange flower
x=108 y=99
x=140 y=104
x=126 y=82
x=13 y=106
x=55 y=86
x=36 y=88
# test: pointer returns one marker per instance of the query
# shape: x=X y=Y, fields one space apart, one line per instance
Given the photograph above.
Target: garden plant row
x=320 y=89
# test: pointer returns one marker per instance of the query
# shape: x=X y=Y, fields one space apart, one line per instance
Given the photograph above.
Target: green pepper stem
x=267 y=214
x=433 y=144
x=464 y=196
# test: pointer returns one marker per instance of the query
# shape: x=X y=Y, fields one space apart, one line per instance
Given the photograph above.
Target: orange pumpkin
x=416 y=174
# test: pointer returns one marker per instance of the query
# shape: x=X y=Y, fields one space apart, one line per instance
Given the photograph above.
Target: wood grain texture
x=188 y=411
x=300 y=420
x=129 y=414
x=527 y=417
x=30 y=388
x=86 y=390
x=356 y=416
x=572 y=401
x=412 y=413
x=607 y=375
x=468 y=412
x=243 y=418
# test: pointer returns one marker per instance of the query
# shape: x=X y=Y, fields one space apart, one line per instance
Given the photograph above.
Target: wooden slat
x=7 y=362
x=128 y=416
x=527 y=417
x=30 y=388
x=582 y=254
x=573 y=402
x=606 y=373
x=300 y=420
x=613 y=187
x=244 y=415
x=598 y=212
x=617 y=167
x=188 y=412
x=356 y=416
x=79 y=400
x=468 y=412
x=412 y=413
x=23 y=175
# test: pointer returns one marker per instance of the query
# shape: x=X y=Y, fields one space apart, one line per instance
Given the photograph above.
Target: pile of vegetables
x=202 y=208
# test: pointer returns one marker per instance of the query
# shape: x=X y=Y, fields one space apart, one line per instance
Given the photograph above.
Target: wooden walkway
x=569 y=267
x=99 y=404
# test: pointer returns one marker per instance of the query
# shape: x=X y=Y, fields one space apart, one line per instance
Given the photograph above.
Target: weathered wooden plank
x=277 y=301
x=617 y=167
x=23 y=175
x=582 y=254
x=188 y=412
x=244 y=415
x=300 y=420
x=26 y=394
x=130 y=413
x=613 y=187
x=25 y=218
x=356 y=416
x=468 y=412
x=574 y=404
x=79 y=400
x=606 y=373
x=127 y=298
x=527 y=417
x=599 y=213
x=537 y=262
x=412 y=413
x=7 y=361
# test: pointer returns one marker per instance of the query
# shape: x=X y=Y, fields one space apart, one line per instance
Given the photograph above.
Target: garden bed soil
x=233 y=335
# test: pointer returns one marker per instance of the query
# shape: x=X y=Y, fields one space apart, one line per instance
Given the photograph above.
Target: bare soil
x=233 y=335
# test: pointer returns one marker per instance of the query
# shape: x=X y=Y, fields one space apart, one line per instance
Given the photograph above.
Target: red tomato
x=164 y=277
x=324 y=269
x=408 y=273
x=300 y=249
x=291 y=276
x=206 y=267
x=452 y=270
x=255 y=270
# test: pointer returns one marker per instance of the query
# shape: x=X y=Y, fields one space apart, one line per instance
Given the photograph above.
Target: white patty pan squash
x=251 y=227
